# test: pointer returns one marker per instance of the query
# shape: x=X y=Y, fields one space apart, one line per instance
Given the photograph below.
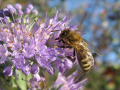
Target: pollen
x=39 y=40
x=20 y=50
x=35 y=45
x=50 y=30
x=55 y=46
x=21 y=42
x=51 y=24
x=12 y=41
x=6 y=31
x=45 y=34
x=0 y=30
x=30 y=34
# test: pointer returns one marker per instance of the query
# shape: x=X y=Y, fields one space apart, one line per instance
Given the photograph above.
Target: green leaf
x=50 y=88
x=59 y=86
x=21 y=83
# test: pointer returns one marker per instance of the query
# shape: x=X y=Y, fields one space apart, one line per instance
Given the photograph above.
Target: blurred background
x=100 y=20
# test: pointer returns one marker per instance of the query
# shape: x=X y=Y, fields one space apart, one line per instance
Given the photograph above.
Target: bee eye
x=63 y=34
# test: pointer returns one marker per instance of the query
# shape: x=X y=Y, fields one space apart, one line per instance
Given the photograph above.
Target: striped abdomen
x=85 y=65
x=84 y=61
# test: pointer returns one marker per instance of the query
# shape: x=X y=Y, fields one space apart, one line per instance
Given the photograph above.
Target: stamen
x=55 y=46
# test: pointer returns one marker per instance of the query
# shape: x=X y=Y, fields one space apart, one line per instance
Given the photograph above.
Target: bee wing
x=95 y=50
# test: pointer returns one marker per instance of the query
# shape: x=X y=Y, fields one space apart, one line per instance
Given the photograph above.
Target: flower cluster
x=28 y=45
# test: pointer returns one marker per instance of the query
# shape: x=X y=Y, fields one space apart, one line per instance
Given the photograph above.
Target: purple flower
x=9 y=6
x=50 y=70
x=60 y=65
x=29 y=44
x=35 y=81
x=33 y=84
x=8 y=71
x=12 y=24
x=3 y=54
x=5 y=9
x=17 y=49
x=36 y=77
x=34 y=69
x=30 y=6
x=35 y=12
x=28 y=50
x=17 y=6
x=26 y=69
x=12 y=10
x=27 y=11
x=68 y=64
x=69 y=83
x=18 y=20
x=19 y=62
x=42 y=78
x=20 y=13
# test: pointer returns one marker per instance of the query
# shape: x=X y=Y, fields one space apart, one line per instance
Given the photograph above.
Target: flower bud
x=30 y=6
x=20 y=13
x=33 y=83
x=12 y=10
x=42 y=78
x=5 y=19
x=27 y=11
x=34 y=69
x=51 y=70
x=5 y=9
x=9 y=6
x=18 y=20
x=8 y=71
x=26 y=69
x=17 y=6
x=35 y=12
x=36 y=77
x=68 y=64
x=60 y=65
x=12 y=24
x=1 y=18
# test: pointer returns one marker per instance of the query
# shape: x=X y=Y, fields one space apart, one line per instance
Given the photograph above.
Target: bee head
x=64 y=33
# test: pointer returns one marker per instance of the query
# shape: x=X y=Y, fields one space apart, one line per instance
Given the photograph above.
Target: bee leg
x=69 y=57
x=59 y=40
x=74 y=57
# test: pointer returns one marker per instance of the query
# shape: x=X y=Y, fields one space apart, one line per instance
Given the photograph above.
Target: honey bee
x=72 y=39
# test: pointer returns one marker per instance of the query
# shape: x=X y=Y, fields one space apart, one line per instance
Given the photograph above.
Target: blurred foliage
x=100 y=19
